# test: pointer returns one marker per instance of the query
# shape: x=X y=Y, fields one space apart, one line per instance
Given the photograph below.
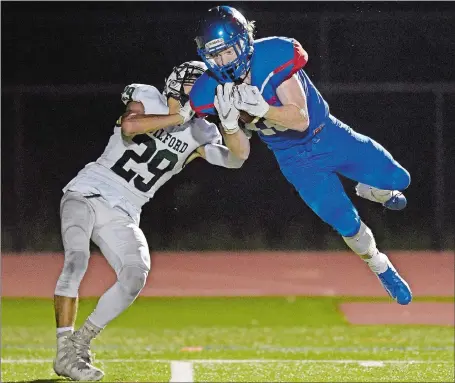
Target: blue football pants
x=313 y=169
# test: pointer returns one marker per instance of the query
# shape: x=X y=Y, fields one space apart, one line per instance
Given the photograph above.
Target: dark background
x=386 y=69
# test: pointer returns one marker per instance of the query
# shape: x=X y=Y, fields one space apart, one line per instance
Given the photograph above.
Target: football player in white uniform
x=152 y=141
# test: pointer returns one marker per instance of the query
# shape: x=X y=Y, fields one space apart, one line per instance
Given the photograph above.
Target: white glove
x=186 y=112
x=224 y=105
x=249 y=99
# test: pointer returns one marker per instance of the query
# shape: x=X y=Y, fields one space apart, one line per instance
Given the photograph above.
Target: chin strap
x=241 y=80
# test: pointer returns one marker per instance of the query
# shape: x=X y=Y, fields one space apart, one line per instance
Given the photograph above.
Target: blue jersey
x=275 y=59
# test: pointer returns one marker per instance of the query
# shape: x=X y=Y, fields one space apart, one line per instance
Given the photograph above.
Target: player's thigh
x=325 y=195
x=77 y=219
x=122 y=242
x=367 y=161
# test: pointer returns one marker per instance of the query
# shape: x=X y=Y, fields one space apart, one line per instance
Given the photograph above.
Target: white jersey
x=130 y=171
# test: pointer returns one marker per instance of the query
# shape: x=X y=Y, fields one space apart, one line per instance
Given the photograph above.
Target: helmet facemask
x=236 y=68
x=224 y=28
x=184 y=74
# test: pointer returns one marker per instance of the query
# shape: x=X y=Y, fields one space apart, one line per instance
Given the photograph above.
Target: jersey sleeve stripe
x=284 y=66
x=299 y=61
x=274 y=72
x=266 y=81
x=200 y=109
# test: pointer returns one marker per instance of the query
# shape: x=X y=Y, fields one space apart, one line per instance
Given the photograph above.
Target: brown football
x=245 y=117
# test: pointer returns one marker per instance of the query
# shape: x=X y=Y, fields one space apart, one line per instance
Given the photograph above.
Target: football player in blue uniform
x=265 y=79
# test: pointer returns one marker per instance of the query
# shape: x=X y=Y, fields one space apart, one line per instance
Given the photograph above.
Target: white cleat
x=391 y=199
x=82 y=347
x=68 y=362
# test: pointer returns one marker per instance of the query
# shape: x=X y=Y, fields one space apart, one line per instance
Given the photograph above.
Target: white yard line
x=181 y=372
x=371 y=363
x=181 y=364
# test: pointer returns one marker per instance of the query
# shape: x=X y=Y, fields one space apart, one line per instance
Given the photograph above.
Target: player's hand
x=186 y=112
x=224 y=105
x=249 y=99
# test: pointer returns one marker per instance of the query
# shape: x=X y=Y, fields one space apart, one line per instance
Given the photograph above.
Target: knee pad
x=77 y=220
x=76 y=237
x=363 y=242
x=74 y=268
x=132 y=279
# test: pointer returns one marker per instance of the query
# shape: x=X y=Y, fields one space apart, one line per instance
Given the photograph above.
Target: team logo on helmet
x=214 y=43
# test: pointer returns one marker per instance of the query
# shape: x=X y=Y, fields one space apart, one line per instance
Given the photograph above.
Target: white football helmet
x=184 y=74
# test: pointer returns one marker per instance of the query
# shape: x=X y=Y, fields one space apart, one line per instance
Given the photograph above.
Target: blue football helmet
x=225 y=27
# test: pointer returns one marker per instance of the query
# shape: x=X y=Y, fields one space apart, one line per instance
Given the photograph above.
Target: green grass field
x=232 y=340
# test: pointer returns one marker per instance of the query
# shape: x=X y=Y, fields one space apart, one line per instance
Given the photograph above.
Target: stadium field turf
x=294 y=339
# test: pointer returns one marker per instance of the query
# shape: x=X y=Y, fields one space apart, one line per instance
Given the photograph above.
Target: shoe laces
x=82 y=365
x=395 y=197
x=82 y=348
x=71 y=358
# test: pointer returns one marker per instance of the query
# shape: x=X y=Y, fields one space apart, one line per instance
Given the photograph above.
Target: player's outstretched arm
x=237 y=143
x=134 y=121
x=147 y=110
x=220 y=155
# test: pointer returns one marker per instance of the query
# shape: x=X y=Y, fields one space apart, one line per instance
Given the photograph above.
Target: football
x=245 y=117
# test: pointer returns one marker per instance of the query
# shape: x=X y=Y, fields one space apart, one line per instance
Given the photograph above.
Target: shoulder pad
x=154 y=102
x=202 y=95
x=279 y=57
x=133 y=91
